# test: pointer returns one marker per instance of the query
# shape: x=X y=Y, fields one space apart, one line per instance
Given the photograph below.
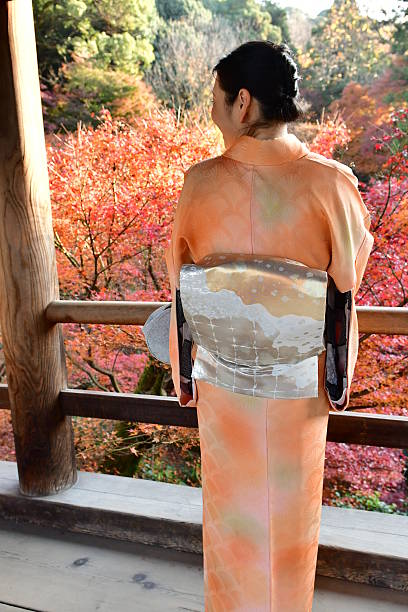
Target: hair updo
x=268 y=71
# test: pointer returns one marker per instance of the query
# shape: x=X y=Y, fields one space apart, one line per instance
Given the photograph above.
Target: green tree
x=278 y=18
x=182 y=84
x=105 y=34
x=400 y=21
x=120 y=35
x=55 y=24
x=399 y=45
x=345 y=46
x=92 y=53
x=247 y=15
x=177 y=9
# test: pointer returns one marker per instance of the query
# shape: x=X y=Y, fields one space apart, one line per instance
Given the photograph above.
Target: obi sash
x=258 y=323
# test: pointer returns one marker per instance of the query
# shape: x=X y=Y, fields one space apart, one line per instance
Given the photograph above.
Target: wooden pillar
x=33 y=348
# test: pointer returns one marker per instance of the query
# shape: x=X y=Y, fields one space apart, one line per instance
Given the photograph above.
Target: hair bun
x=269 y=72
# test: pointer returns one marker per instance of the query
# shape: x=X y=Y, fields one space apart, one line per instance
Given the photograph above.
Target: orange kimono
x=262 y=459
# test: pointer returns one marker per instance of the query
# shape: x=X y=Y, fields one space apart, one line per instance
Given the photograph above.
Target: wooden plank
x=33 y=348
x=333 y=595
x=348 y=426
x=365 y=547
x=12 y=608
x=113 y=507
x=351 y=427
x=371 y=319
x=354 y=545
x=121 y=407
x=65 y=572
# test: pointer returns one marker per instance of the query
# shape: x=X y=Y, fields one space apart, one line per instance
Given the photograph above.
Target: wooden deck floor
x=52 y=570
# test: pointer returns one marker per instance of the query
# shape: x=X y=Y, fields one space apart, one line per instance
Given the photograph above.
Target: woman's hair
x=268 y=71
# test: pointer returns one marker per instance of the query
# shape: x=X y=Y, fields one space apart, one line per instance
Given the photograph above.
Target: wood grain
x=382 y=319
x=354 y=545
x=28 y=278
x=66 y=572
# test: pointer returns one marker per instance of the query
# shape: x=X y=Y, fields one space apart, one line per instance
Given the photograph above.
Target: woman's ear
x=244 y=96
x=244 y=99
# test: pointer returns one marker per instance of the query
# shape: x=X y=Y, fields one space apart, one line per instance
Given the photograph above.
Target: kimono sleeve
x=176 y=254
x=351 y=243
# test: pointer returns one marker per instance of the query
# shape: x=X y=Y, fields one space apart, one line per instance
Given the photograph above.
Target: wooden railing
x=353 y=428
x=348 y=426
x=371 y=319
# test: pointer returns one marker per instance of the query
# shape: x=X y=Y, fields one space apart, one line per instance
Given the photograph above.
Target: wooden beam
x=349 y=426
x=106 y=312
x=371 y=319
x=382 y=319
x=128 y=407
x=28 y=276
x=390 y=431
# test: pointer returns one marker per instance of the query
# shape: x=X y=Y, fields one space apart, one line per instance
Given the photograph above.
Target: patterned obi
x=258 y=323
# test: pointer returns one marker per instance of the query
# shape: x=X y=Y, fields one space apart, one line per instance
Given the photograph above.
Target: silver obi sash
x=258 y=323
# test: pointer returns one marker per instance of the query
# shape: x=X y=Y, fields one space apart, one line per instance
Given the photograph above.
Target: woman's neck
x=272 y=132
x=268 y=133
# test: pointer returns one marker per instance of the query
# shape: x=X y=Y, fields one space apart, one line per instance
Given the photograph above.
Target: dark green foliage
x=150 y=382
x=278 y=18
x=248 y=15
x=55 y=24
x=90 y=54
x=177 y=9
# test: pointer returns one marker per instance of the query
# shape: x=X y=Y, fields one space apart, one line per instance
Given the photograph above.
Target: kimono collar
x=269 y=152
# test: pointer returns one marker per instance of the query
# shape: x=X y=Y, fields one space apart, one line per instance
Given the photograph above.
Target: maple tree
x=113 y=190
x=332 y=137
x=366 y=108
x=386 y=279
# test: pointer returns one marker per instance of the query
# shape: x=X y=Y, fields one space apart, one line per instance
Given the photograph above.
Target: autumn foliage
x=114 y=189
x=366 y=110
x=383 y=366
x=380 y=383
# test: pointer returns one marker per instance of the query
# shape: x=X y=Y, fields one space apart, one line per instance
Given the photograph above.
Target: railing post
x=33 y=348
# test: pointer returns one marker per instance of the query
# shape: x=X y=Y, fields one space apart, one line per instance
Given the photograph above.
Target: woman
x=262 y=459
